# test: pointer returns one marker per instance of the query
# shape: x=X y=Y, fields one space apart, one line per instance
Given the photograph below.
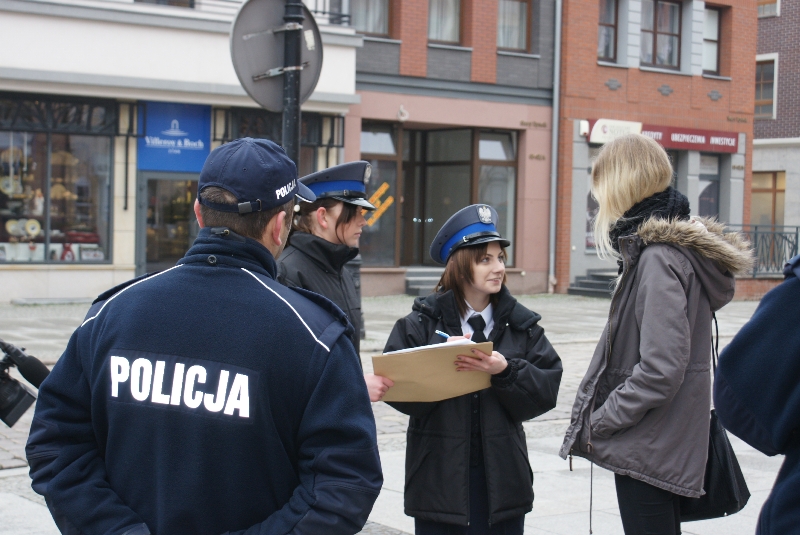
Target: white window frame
x=774 y=58
x=777 y=11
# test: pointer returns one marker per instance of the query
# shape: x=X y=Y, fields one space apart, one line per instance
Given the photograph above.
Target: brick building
x=456 y=108
x=776 y=151
x=678 y=71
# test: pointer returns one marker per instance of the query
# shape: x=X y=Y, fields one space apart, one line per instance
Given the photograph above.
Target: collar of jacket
x=331 y=256
x=507 y=311
x=703 y=236
x=231 y=249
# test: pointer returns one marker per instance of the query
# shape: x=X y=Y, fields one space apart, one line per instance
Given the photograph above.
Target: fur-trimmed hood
x=715 y=256
x=704 y=236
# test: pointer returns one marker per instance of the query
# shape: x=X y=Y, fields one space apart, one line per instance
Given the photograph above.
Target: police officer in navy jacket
x=757 y=395
x=208 y=398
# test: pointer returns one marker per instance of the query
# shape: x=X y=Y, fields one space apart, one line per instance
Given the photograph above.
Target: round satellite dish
x=257 y=52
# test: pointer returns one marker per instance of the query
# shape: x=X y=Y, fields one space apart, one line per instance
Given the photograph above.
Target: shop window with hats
x=422 y=177
x=55 y=178
x=321 y=136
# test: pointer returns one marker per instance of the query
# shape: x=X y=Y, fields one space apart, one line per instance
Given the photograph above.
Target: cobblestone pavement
x=572 y=324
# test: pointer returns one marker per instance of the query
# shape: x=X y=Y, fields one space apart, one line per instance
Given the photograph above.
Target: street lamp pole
x=292 y=63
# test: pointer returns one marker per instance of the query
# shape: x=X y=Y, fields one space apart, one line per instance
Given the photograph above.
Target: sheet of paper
x=429 y=373
x=458 y=342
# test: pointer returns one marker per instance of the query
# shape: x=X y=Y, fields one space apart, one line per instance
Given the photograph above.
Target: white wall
x=132 y=59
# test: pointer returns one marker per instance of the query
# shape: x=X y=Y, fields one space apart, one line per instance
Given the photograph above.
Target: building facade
x=455 y=108
x=107 y=112
x=677 y=71
x=776 y=151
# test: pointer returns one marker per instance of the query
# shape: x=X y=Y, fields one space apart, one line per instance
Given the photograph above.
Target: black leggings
x=647 y=510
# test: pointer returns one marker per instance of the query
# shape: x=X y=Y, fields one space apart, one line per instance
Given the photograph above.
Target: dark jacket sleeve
x=340 y=470
x=757 y=383
x=410 y=332
x=65 y=464
x=531 y=386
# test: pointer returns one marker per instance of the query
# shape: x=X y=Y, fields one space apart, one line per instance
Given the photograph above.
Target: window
x=370 y=16
x=512 y=25
x=321 y=136
x=379 y=237
x=55 y=179
x=768 y=8
x=607 y=31
x=497 y=180
x=765 y=89
x=444 y=21
x=711 y=41
x=708 y=205
x=767 y=201
x=661 y=34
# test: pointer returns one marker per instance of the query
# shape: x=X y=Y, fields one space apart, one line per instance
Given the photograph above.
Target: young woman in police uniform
x=324 y=238
x=467 y=469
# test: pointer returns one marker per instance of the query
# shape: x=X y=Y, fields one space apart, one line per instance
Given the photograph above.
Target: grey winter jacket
x=642 y=410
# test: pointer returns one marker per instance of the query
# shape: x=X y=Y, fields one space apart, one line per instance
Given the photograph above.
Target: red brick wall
x=410 y=22
x=782 y=35
x=479 y=23
x=584 y=95
x=754 y=289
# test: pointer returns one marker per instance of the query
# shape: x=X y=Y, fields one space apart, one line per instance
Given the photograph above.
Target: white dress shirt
x=466 y=328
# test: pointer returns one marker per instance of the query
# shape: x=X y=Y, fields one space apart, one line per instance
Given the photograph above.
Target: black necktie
x=478 y=325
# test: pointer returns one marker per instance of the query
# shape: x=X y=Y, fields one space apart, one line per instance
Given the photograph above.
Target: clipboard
x=428 y=373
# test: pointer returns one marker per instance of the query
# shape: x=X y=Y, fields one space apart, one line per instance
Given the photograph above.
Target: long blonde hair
x=627 y=170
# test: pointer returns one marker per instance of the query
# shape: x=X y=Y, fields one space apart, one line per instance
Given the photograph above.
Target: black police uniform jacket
x=207 y=399
x=317 y=265
x=439 y=433
x=757 y=395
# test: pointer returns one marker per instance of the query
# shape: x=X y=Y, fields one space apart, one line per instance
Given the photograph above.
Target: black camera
x=15 y=397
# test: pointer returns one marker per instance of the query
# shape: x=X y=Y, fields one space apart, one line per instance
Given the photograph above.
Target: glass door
x=167 y=224
x=437 y=172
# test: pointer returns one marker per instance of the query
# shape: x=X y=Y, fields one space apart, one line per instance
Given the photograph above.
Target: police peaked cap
x=345 y=182
x=472 y=225
x=257 y=171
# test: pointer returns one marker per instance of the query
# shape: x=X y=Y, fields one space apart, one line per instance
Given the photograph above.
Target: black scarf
x=668 y=204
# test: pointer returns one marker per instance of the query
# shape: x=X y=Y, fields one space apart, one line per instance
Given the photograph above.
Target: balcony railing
x=773 y=246
x=325 y=11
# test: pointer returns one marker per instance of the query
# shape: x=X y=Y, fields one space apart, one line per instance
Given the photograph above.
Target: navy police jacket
x=207 y=399
x=757 y=395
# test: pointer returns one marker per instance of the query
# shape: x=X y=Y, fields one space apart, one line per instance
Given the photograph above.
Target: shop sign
x=672 y=137
x=177 y=137
x=605 y=130
x=669 y=137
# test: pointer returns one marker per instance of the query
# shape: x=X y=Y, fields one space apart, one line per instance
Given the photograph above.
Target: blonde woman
x=642 y=410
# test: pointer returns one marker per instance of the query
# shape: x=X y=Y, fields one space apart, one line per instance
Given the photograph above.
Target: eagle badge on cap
x=484 y=214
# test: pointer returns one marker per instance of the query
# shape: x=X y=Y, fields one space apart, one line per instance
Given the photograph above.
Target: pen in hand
x=442 y=334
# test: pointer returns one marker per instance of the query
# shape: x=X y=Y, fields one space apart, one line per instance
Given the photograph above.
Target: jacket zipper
x=495 y=341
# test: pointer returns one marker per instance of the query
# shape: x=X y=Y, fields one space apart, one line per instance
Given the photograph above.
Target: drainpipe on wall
x=551 y=275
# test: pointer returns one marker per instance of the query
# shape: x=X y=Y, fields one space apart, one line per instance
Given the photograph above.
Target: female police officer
x=324 y=238
x=467 y=468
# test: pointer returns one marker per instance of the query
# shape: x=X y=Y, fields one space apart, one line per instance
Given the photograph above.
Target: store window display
x=54 y=187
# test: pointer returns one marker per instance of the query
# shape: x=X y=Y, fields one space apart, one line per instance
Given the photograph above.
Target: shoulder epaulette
x=792 y=268
x=118 y=288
